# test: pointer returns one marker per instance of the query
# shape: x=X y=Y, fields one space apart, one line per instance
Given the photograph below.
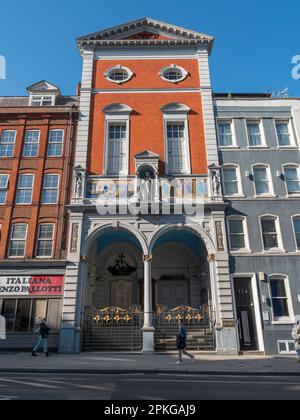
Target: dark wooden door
x=246 y=314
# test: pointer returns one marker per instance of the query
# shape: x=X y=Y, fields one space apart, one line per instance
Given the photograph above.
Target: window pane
x=254 y=134
x=176 y=147
x=31 y=145
x=292 y=180
x=18 y=241
x=8 y=311
x=270 y=235
x=283 y=134
x=261 y=181
x=297 y=231
x=39 y=308
x=117 y=153
x=45 y=241
x=50 y=190
x=231 y=181
x=237 y=237
x=280 y=308
x=55 y=147
x=225 y=134
x=278 y=288
x=7 y=143
x=23 y=315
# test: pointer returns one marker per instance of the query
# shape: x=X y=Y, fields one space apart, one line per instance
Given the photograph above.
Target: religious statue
x=79 y=185
x=216 y=183
x=146 y=188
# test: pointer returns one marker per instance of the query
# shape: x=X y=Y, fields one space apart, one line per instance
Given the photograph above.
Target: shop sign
x=31 y=285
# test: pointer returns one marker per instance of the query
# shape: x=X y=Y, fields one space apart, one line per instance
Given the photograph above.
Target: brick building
x=37 y=134
x=146 y=128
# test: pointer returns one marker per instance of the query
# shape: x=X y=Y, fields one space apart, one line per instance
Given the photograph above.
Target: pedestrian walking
x=181 y=342
x=43 y=339
x=296 y=337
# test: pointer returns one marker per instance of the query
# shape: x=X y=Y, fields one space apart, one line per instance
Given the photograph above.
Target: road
x=147 y=387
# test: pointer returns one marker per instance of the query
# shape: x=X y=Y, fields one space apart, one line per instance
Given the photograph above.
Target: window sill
x=288 y=196
x=262 y=197
x=229 y=147
x=287 y=148
x=241 y=251
x=274 y=251
x=288 y=322
x=234 y=196
x=258 y=147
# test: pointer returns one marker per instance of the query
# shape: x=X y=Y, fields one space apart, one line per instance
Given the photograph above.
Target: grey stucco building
x=258 y=139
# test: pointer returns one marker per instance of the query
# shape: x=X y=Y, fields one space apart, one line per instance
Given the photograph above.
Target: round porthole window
x=173 y=74
x=118 y=74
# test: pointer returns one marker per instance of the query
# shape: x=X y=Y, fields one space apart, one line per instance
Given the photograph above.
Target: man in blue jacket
x=181 y=342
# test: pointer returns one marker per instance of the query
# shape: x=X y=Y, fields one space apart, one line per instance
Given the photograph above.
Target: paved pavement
x=113 y=363
x=142 y=387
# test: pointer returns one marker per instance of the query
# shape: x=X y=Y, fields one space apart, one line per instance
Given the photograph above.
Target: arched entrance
x=183 y=289
x=112 y=293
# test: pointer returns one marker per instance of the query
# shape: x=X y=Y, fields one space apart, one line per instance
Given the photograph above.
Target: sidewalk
x=114 y=363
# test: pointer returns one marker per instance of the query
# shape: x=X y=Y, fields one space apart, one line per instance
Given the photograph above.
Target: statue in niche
x=216 y=183
x=145 y=186
x=79 y=185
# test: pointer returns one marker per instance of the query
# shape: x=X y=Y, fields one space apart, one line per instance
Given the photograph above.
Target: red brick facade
x=43 y=119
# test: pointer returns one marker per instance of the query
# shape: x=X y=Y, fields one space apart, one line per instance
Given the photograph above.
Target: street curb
x=148 y=372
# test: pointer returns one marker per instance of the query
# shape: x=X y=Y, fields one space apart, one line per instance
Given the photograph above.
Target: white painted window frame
x=38 y=239
x=119 y=67
x=286 y=342
x=296 y=216
x=229 y=121
x=243 y=219
x=42 y=96
x=291 y=129
x=62 y=143
x=14 y=143
x=183 y=72
x=294 y=166
x=38 y=143
x=5 y=188
x=177 y=118
x=11 y=239
x=18 y=188
x=116 y=119
x=239 y=180
x=271 y=192
x=280 y=247
x=258 y=121
x=51 y=189
x=284 y=320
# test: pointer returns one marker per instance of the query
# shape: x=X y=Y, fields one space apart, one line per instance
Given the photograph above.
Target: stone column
x=148 y=330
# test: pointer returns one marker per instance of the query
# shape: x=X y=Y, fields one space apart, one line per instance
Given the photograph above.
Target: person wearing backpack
x=296 y=337
x=43 y=339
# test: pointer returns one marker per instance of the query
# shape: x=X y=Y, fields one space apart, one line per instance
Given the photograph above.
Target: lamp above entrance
x=122 y=268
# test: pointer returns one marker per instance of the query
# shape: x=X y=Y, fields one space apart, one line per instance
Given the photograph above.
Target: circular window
x=118 y=74
x=173 y=74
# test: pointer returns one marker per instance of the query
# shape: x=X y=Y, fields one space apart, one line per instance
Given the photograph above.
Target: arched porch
x=131 y=283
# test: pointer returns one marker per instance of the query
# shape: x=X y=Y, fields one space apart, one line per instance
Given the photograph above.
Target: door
x=245 y=314
x=173 y=293
x=121 y=294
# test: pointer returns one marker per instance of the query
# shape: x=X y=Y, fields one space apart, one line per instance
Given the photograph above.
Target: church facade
x=147 y=239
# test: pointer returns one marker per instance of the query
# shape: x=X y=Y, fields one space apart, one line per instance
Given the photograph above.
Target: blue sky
x=255 y=41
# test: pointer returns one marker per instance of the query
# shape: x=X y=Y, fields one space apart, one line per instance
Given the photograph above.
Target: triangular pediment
x=43 y=87
x=144 y=29
x=147 y=154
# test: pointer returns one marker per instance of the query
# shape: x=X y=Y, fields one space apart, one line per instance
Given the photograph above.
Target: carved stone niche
x=147 y=176
x=215 y=182
x=79 y=183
